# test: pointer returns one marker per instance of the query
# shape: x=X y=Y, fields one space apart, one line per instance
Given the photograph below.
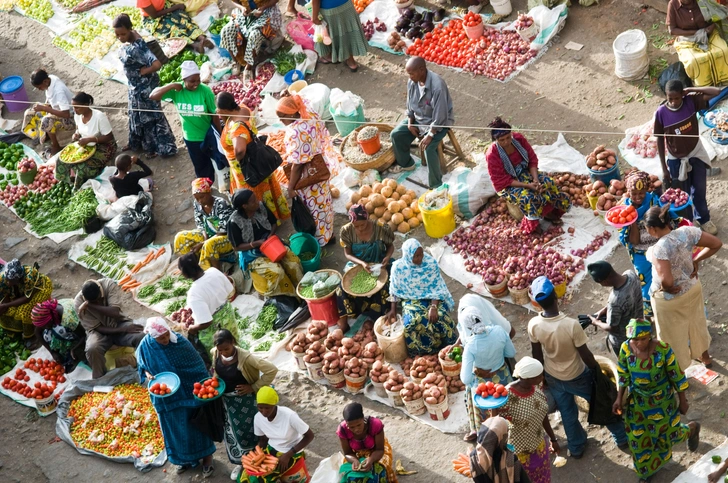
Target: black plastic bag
x=675 y=71
x=302 y=314
x=134 y=228
x=603 y=395
x=302 y=219
x=285 y=305
x=260 y=160
x=209 y=419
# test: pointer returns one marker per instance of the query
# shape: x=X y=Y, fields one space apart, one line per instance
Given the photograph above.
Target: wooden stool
x=453 y=151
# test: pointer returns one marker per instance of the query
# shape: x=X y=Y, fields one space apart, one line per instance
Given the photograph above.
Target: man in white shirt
x=56 y=113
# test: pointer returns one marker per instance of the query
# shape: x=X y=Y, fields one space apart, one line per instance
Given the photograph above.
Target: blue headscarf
x=418 y=282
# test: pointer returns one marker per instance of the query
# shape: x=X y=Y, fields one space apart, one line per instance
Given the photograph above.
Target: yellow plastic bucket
x=440 y=222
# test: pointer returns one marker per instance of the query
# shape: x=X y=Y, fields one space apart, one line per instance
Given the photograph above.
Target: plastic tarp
x=560 y=157
x=124 y=375
x=700 y=470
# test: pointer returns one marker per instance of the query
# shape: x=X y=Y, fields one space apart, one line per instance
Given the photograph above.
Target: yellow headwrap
x=267 y=395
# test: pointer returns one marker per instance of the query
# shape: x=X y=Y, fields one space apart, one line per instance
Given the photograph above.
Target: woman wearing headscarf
x=163 y=350
x=22 y=287
x=250 y=225
x=484 y=360
x=244 y=374
x=365 y=448
x=513 y=170
x=650 y=370
x=148 y=127
x=531 y=434
x=282 y=433
x=57 y=327
x=210 y=238
x=418 y=286
x=491 y=461
x=365 y=243
x=676 y=293
x=307 y=140
x=471 y=303
x=237 y=133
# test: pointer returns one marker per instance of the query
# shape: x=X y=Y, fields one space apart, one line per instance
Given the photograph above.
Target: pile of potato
x=595 y=189
x=454 y=384
x=617 y=188
x=315 y=331
x=607 y=201
x=355 y=368
x=573 y=185
x=395 y=381
x=423 y=366
x=314 y=353
x=332 y=364
x=298 y=344
x=434 y=380
x=411 y=391
x=407 y=364
x=388 y=202
x=349 y=349
x=380 y=372
x=372 y=352
x=365 y=335
x=601 y=159
x=333 y=340
x=434 y=395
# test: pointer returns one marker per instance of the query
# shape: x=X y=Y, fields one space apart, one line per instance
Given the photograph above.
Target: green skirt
x=347 y=35
x=77 y=174
x=239 y=435
x=173 y=25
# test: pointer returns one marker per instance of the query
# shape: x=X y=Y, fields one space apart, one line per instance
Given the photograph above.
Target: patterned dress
x=652 y=418
x=382 y=471
x=37 y=287
x=177 y=24
x=240 y=410
x=269 y=191
x=244 y=34
x=535 y=205
x=61 y=338
x=148 y=126
x=214 y=246
x=305 y=138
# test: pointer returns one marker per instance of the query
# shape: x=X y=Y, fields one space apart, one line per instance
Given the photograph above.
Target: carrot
x=159 y=253
x=125 y=279
x=137 y=267
x=149 y=258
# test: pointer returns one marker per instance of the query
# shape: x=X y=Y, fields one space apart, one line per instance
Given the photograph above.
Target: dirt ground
x=565 y=90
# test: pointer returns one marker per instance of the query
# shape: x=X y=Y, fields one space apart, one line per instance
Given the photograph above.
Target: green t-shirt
x=194 y=107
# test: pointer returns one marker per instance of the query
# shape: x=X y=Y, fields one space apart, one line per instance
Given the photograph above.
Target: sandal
x=151 y=156
x=694 y=439
x=324 y=60
x=208 y=471
x=353 y=69
x=470 y=437
x=182 y=468
x=127 y=147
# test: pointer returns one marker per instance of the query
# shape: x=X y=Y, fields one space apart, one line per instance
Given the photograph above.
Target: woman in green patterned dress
x=21 y=288
x=652 y=417
x=166 y=20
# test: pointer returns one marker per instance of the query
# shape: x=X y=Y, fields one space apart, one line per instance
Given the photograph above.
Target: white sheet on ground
x=560 y=157
x=699 y=471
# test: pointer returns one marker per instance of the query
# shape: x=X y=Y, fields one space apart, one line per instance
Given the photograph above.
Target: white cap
x=189 y=68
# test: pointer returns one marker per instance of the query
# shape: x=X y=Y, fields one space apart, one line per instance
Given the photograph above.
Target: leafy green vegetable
x=217 y=25
x=146 y=292
x=172 y=72
x=263 y=346
x=167 y=283
x=174 y=307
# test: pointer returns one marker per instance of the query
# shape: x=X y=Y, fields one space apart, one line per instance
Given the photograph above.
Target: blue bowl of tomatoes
x=490 y=396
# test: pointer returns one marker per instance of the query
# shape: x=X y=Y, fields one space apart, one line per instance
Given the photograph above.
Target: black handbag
x=603 y=395
x=260 y=160
x=301 y=217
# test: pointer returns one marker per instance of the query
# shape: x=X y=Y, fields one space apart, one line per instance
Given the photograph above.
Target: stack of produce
x=355 y=368
x=435 y=394
x=11 y=346
x=40 y=10
x=421 y=367
x=643 y=142
x=593 y=246
x=217 y=25
x=314 y=353
x=7 y=183
x=380 y=372
x=623 y=216
x=332 y=363
x=676 y=197
x=445 y=45
x=316 y=285
x=161 y=389
x=395 y=381
x=55 y=216
x=68 y=4
x=461 y=464
x=488 y=389
x=333 y=340
x=396 y=42
x=34 y=201
x=363 y=282
x=411 y=391
x=573 y=185
x=360 y=5
x=172 y=71
x=285 y=61
x=365 y=334
x=247 y=94
x=134 y=13
x=372 y=352
x=18 y=385
x=10 y=154
x=264 y=322
x=416 y=25
x=299 y=344
x=89 y=40
x=607 y=201
x=119 y=423
x=49 y=370
x=257 y=462
x=389 y=202
x=108 y=259
x=44 y=179
x=454 y=384
x=206 y=389
x=349 y=349
x=371 y=26
x=183 y=317
x=172 y=290
x=601 y=159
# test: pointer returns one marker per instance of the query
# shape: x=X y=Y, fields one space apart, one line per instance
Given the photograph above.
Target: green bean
x=263 y=346
x=146 y=292
x=174 y=307
x=307 y=291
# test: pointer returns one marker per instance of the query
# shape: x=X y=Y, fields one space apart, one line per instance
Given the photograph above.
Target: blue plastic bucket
x=303 y=242
x=13 y=89
x=606 y=176
x=346 y=124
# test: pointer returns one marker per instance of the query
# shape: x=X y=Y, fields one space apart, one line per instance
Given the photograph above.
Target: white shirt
x=284 y=432
x=58 y=95
x=207 y=294
x=98 y=125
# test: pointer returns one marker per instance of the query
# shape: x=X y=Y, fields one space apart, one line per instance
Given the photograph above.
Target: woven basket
x=349 y=279
x=382 y=163
x=330 y=272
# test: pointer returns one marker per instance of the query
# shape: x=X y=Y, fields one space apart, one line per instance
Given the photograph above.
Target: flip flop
x=290 y=14
x=353 y=69
x=324 y=60
x=151 y=156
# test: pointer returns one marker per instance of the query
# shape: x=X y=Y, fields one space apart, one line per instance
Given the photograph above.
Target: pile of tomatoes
x=445 y=45
x=49 y=370
x=472 y=19
x=18 y=384
x=486 y=389
x=160 y=389
x=622 y=216
x=207 y=389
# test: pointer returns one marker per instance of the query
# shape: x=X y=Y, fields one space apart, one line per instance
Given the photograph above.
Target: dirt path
x=564 y=90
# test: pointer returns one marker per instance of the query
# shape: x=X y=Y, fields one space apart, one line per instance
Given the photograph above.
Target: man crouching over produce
x=98 y=309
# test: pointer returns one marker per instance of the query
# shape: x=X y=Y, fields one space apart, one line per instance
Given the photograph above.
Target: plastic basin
x=274 y=249
x=302 y=243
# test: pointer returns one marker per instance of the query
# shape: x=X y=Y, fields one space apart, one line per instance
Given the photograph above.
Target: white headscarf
x=487 y=313
x=188 y=68
x=473 y=321
x=157 y=326
x=527 y=368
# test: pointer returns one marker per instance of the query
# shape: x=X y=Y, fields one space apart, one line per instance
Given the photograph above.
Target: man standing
x=105 y=324
x=624 y=304
x=559 y=343
x=56 y=112
x=429 y=115
x=688 y=163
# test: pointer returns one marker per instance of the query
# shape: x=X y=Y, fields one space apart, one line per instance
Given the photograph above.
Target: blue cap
x=541 y=288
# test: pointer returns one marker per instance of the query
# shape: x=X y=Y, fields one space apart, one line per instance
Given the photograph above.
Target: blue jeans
x=204 y=153
x=564 y=392
x=695 y=185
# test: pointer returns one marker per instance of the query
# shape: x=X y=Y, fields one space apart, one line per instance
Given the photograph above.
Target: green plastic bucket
x=302 y=243
x=346 y=124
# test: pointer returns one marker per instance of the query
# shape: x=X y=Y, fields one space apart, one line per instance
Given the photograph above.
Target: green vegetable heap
x=217 y=25
x=363 y=282
x=32 y=204
x=55 y=217
x=263 y=346
x=106 y=258
x=10 y=346
x=172 y=71
x=264 y=323
x=307 y=291
x=286 y=61
x=456 y=354
x=7 y=179
x=307 y=256
x=10 y=155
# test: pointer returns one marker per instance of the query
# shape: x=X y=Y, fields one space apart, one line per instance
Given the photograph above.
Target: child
x=714 y=477
x=124 y=182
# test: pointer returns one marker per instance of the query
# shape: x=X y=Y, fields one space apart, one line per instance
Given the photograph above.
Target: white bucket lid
x=630 y=42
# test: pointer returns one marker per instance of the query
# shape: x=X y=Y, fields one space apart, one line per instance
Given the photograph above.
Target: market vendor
x=162 y=350
x=686 y=164
x=125 y=181
x=365 y=447
x=195 y=103
x=249 y=227
x=513 y=170
x=55 y=114
x=58 y=328
x=98 y=305
x=210 y=237
x=700 y=39
x=166 y=20
x=209 y=299
x=429 y=115
x=22 y=287
x=259 y=27
x=420 y=290
x=365 y=243
x=244 y=374
x=92 y=129
x=282 y=433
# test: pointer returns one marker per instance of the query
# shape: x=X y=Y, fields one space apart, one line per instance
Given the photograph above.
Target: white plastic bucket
x=47 y=406
x=438 y=412
x=630 y=55
x=315 y=371
x=415 y=407
x=379 y=389
x=501 y=7
x=395 y=398
x=299 y=360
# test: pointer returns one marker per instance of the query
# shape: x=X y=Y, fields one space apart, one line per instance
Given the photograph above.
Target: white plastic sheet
x=560 y=157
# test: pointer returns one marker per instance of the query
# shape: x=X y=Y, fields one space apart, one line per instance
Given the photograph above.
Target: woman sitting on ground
x=53 y=116
x=365 y=447
x=513 y=170
x=22 y=287
x=249 y=227
x=166 y=21
x=365 y=243
x=491 y=461
x=58 y=328
x=418 y=286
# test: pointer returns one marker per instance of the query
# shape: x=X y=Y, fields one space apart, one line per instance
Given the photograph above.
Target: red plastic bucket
x=475 y=32
x=324 y=309
x=274 y=249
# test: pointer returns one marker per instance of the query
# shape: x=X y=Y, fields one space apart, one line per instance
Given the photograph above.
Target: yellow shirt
x=560 y=337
